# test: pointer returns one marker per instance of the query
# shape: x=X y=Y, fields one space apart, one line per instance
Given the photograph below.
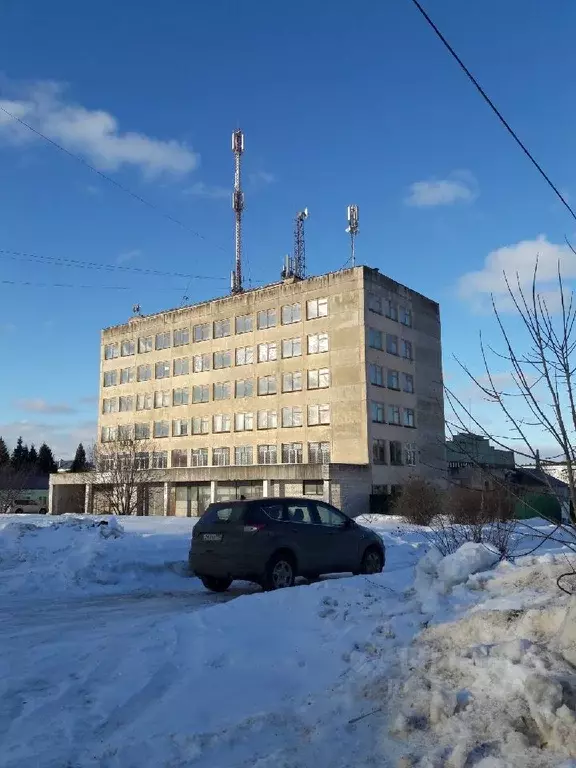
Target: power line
x=496 y=111
x=102 y=175
x=68 y=285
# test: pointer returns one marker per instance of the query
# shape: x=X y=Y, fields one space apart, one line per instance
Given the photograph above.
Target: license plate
x=211 y=537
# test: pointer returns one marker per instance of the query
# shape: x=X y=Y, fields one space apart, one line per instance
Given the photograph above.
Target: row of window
x=242 y=455
x=390 y=309
x=292 y=416
x=182 y=366
x=396 y=415
x=267 y=318
x=394 y=346
x=394 y=453
x=381 y=377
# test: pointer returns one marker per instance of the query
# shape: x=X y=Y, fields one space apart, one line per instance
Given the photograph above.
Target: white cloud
x=62 y=438
x=92 y=133
x=126 y=256
x=38 y=405
x=260 y=179
x=200 y=189
x=461 y=187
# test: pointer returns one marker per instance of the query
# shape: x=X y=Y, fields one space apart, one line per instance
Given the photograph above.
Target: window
x=267 y=318
x=201 y=332
x=291 y=347
x=319 y=379
x=406 y=316
x=391 y=344
x=221 y=457
x=379 y=452
x=144 y=372
x=110 y=351
x=317 y=342
x=163 y=340
x=181 y=337
x=144 y=401
x=181 y=366
x=267 y=419
x=377 y=412
x=408 y=382
x=201 y=363
x=318 y=414
x=267 y=454
x=199 y=457
x=313 y=488
x=292 y=417
x=222 y=390
x=162 y=370
x=409 y=418
x=223 y=359
x=125 y=431
x=244 y=355
x=267 y=385
x=291 y=453
x=299 y=513
x=410 y=454
x=221 y=422
x=407 y=349
x=292 y=382
x=267 y=352
x=244 y=324
x=200 y=393
x=181 y=396
x=391 y=309
x=126 y=403
x=291 y=313
x=243 y=422
x=330 y=516
x=200 y=425
x=376 y=374
x=142 y=460
x=142 y=431
x=108 y=434
x=162 y=399
x=395 y=452
x=160 y=459
x=221 y=328
x=127 y=375
x=110 y=405
x=374 y=338
x=319 y=453
x=110 y=378
x=375 y=303
x=128 y=348
x=393 y=414
x=244 y=388
x=316 y=308
x=145 y=344
x=179 y=458
x=161 y=429
x=243 y=455
x=393 y=380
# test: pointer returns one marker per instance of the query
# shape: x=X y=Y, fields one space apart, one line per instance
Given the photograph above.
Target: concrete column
x=51 y=510
x=266 y=488
x=88 y=498
x=166 y=504
x=213 y=484
x=326 y=491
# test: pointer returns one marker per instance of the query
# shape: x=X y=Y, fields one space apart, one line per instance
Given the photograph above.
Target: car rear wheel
x=372 y=562
x=18 y=512
x=42 y=511
x=280 y=572
x=215 y=584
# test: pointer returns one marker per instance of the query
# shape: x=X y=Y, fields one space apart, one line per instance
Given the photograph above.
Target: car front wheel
x=215 y=584
x=372 y=562
x=280 y=572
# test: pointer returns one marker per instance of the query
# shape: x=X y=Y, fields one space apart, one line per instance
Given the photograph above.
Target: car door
x=306 y=537
x=340 y=539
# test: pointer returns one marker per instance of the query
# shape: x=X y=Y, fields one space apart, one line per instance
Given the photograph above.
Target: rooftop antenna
x=238 y=207
x=352 y=229
x=299 y=248
x=136 y=310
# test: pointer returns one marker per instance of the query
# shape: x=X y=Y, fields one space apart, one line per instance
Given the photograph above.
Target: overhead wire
x=67 y=285
x=495 y=109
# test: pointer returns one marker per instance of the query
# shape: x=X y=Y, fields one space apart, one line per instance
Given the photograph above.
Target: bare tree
x=123 y=467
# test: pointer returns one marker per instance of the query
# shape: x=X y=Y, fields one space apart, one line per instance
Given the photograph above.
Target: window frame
x=160 y=338
x=204 y=390
x=268 y=378
x=158 y=433
x=201 y=332
x=185 y=331
x=316 y=313
x=296 y=307
x=184 y=364
x=267 y=313
x=292 y=375
x=249 y=318
x=222 y=328
x=145 y=344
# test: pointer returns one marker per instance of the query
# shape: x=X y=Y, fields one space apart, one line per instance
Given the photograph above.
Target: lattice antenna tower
x=238 y=207
x=353 y=230
x=299 y=245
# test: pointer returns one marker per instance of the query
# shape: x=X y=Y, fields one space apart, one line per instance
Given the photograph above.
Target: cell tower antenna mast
x=353 y=230
x=299 y=246
x=238 y=207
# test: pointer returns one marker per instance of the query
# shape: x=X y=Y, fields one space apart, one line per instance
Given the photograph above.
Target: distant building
x=467 y=450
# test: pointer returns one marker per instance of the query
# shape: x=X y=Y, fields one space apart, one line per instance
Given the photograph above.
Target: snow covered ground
x=111 y=655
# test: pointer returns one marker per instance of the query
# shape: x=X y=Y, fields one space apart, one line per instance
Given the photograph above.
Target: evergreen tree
x=25 y=455
x=18 y=455
x=4 y=455
x=79 y=463
x=32 y=457
x=46 y=464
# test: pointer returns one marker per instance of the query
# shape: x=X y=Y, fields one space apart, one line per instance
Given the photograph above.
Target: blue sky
x=340 y=103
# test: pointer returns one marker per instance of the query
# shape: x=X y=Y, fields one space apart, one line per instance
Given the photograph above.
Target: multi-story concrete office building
x=329 y=386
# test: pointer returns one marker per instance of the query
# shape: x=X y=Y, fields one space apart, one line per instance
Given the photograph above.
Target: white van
x=27 y=507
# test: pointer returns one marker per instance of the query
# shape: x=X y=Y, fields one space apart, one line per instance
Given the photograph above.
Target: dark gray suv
x=271 y=541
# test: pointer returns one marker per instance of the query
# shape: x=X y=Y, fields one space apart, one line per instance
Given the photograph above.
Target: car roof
x=275 y=499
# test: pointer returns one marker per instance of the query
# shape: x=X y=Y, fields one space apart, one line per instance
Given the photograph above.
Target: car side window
x=299 y=513
x=329 y=516
x=273 y=511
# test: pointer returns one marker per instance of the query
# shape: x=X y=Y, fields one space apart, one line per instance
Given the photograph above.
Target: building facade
x=329 y=386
